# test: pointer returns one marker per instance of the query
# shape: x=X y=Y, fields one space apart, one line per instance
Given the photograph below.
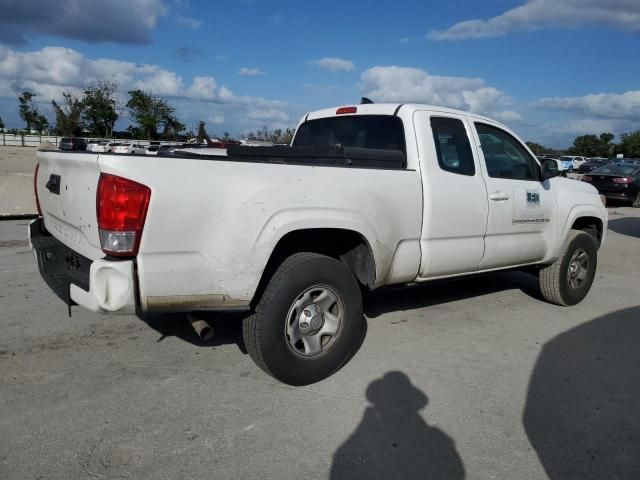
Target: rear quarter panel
x=212 y=224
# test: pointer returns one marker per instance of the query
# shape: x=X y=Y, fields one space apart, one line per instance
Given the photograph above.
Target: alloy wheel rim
x=578 y=268
x=314 y=321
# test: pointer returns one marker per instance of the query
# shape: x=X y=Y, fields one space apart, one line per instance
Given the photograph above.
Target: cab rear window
x=383 y=132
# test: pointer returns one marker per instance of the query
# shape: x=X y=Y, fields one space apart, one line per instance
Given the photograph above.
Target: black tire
x=264 y=331
x=555 y=280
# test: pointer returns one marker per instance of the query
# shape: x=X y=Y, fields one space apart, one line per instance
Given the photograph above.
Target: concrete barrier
x=17 y=165
x=16 y=195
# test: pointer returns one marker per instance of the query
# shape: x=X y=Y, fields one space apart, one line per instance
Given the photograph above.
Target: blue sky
x=551 y=70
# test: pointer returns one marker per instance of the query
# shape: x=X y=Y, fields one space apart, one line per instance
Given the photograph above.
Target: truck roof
x=392 y=109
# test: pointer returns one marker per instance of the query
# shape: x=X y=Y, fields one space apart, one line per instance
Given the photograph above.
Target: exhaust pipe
x=201 y=326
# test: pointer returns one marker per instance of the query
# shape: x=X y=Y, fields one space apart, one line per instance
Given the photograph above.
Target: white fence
x=10 y=139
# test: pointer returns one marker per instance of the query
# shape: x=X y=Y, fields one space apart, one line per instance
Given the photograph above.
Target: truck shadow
x=581 y=413
x=393 y=440
x=629 y=226
x=227 y=328
x=394 y=299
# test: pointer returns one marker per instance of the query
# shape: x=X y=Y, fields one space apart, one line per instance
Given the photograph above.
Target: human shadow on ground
x=626 y=226
x=395 y=299
x=582 y=414
x=393 y=441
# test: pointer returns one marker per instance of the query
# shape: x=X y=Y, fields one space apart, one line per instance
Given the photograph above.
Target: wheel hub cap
x=311 y=320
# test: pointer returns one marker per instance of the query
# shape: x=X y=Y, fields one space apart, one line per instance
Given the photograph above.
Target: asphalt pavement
x=477 y=378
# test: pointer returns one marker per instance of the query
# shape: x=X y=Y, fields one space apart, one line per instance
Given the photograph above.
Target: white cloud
x=52 y=70
x=162 y=82
x=250 y=72
x=539 y=14
x=403 y=84
x=334 y=64
x=216 y=119
x=119 y=21
x=610 y=105
x=189 y=22
x=508 y=116
x=271 y=114
x=203 y=88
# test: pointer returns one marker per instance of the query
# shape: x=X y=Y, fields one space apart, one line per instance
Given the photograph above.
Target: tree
x=29 y=112
x=1 y=123
x=41 y=123
x=172 y=128
x=68 y=117
x=202 y=132
x=287 y=137
x=100 y=113
x=630 y=144
x=226 y=136
x=537 y=148
x=150 y=112
x=592 y=145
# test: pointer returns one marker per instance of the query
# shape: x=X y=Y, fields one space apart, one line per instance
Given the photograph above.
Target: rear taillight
x=122 y=208
x=623 y=180
x=586 y=178
x=35 y=189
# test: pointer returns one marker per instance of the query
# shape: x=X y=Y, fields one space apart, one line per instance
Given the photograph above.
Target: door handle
x=499 y=196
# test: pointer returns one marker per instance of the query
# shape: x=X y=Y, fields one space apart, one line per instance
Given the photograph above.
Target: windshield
x=615 y=169
x=566 y=158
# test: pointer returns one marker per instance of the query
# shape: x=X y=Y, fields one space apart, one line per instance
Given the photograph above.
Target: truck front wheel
x=308 y=322
x=568 y=280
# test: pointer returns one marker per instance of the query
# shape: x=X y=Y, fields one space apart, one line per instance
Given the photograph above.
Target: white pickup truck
x=366 y=196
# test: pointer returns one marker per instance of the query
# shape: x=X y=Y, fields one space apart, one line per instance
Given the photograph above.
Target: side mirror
x=549 y=169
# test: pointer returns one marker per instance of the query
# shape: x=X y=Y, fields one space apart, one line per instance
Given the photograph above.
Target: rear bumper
x=101 y=286
x=627 y=196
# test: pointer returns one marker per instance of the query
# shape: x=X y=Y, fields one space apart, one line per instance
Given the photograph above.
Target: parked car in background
x=592 y=164
x=92 y=144
x=73 y=144
x=129 y=148
x=617 y=181
x=104 y=147
x=562 y=167
x=572 y=162
x=159 y=149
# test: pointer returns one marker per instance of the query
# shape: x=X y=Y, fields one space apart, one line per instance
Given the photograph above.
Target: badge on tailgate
x=53 y=185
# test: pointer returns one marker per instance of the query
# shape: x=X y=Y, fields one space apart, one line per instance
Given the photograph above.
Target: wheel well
x=350 y=247
x=591 y=225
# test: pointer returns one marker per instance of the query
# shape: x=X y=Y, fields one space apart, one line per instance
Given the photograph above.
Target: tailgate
x=67 y=184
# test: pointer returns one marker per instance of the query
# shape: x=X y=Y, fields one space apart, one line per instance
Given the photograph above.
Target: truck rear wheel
x=308 y=322
x=568 y=280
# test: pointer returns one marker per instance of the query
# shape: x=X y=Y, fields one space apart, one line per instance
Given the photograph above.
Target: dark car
x=73 y=144
x=592 y=164
x=617 y=181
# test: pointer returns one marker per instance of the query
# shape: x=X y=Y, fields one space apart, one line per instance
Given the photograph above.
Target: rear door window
x=364 y=131
x=452 y=146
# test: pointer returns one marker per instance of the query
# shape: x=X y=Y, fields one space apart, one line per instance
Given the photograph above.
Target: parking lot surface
x=477 y=378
